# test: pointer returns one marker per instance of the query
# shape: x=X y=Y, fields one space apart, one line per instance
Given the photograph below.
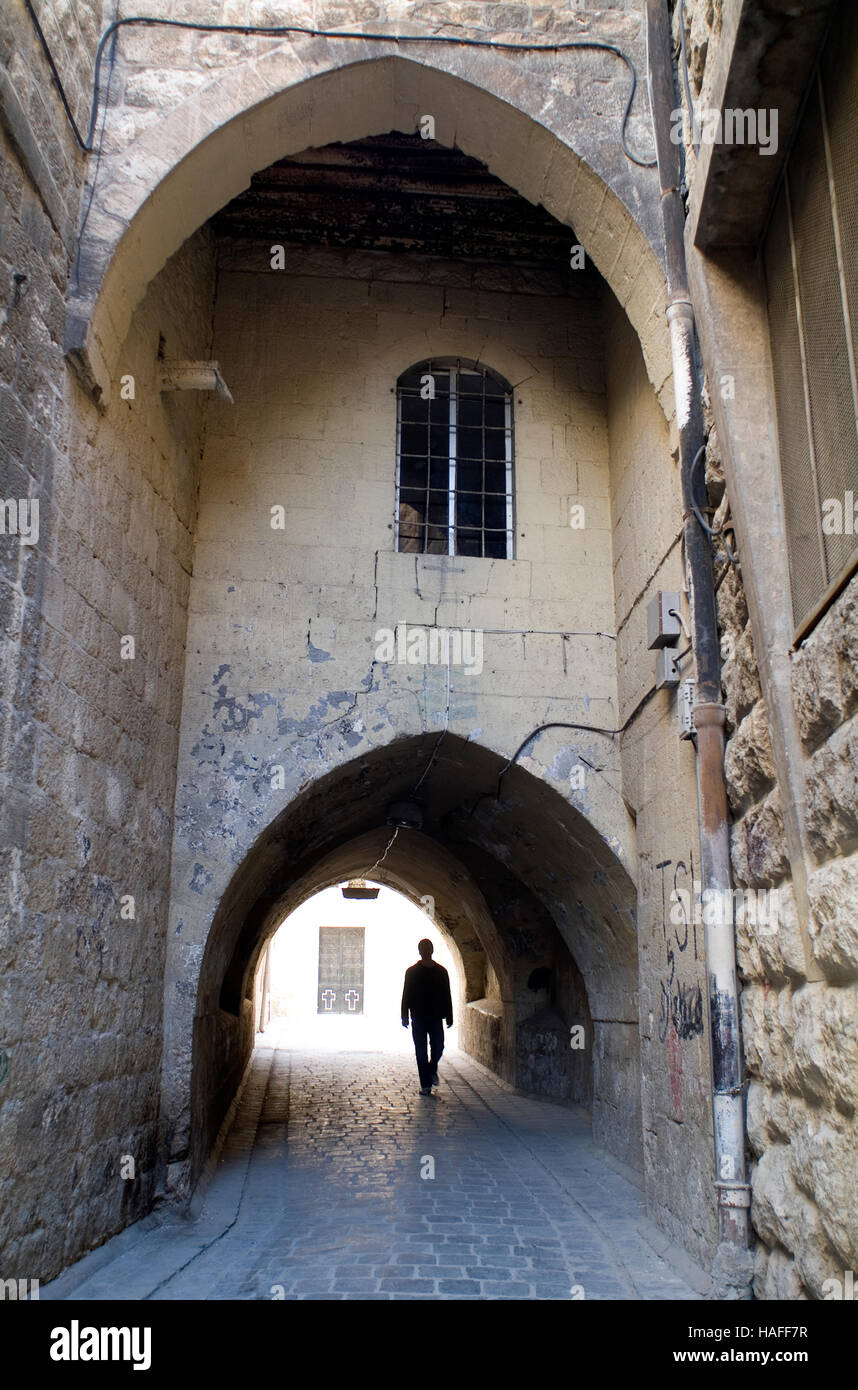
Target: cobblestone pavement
x=318 y=1194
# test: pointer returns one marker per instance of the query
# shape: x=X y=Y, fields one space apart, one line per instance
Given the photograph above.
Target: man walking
x=426 y=994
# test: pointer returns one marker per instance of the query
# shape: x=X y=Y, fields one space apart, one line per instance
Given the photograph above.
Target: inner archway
x=332 y=974
x=538 y=907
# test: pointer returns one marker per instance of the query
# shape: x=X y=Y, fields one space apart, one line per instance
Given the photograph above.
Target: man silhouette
x=426 y=995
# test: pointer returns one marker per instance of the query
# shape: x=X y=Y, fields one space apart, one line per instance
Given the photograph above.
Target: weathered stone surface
x=766 y=1047
x=799 y=1037
x=833 y=893
x=740 y=679
x=825 y=1166
x=776 y=1275
x=280 y=661
x=732 y=605
x=769 y=1109
x=89 y=743
x=748 y=955
x=756 y=1117
x=748 y=765
x=786 y=1217
x=832 y=794
x=768 y=930
x=824 y=678
x=758 y=846
x=825 y=1041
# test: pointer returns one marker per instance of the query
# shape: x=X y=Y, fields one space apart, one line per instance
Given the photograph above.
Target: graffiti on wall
x=680 y=1005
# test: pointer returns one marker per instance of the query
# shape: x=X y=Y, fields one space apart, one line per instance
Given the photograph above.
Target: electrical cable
x=553 y=724
x=716 y=532
x=674 y=613
x=710 y=531
x=284 y=30
x=94 y=183
x=695 y=129
x=367 y=874
x=53 y=67
x=558 y=724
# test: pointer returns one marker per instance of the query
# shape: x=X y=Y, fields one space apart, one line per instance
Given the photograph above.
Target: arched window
x=454 y=485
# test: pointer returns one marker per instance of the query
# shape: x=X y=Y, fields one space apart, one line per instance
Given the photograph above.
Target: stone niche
x=541 y=1046
x=554 y=1041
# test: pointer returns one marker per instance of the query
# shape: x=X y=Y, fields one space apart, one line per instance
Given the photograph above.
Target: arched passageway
x=296 y=734
x=538 y=908
x=333 y=973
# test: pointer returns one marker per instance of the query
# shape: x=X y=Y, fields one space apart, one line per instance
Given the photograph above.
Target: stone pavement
x=318 y=1194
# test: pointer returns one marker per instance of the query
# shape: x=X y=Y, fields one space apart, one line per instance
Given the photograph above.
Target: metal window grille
x=810 y=261
x=454 y=457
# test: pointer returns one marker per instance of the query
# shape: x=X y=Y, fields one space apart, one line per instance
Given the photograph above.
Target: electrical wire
x=675 y=613
x=553 y=724
x=94 y=183
x=716 y=532
x=285 y=30
x=587 y=728
x=695 y=129
x=53 y=67
x=367 y=874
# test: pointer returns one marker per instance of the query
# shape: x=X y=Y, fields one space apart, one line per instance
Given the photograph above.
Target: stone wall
x=659 y=788
x=287 y=621
x=798 y=955
x=281 y=650
x=89 y=743
x=801 y=1034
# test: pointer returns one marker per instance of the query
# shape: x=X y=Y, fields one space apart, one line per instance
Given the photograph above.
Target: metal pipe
x=728 y=1119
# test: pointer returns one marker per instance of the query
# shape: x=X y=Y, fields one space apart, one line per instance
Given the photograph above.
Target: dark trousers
x=429 y=1030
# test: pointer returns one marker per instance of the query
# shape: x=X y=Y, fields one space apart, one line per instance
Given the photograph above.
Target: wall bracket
x=194 y=376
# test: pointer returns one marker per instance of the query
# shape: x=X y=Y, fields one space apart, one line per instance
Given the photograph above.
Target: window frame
x=455 y=367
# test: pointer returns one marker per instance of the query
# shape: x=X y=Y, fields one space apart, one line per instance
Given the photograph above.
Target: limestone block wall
x=281 y=666
x=659 y=787
x=801 y=1034
x=30 y=108
x=89 y=746
x=313 y=363
x=193 y=114
x=282 y=649
x=59 y=1142
x=799 y=959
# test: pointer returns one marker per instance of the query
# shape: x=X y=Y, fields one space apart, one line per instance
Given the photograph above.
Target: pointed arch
x=186 y=166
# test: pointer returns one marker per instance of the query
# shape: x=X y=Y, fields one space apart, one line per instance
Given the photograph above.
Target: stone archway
x=192 y=161
x=521 y=883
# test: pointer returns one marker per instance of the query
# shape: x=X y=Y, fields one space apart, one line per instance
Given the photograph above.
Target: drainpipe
x=733 y=1265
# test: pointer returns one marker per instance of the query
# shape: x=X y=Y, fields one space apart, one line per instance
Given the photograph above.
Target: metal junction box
x=667 y=672
x=685 y=708
x=662 y=629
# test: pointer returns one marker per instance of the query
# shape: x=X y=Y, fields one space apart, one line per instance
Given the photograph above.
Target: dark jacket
x=427 y=993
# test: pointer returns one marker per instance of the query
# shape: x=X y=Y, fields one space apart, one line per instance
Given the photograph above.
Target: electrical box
x=662 y=629
x=667 y=672
x=685 y=709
